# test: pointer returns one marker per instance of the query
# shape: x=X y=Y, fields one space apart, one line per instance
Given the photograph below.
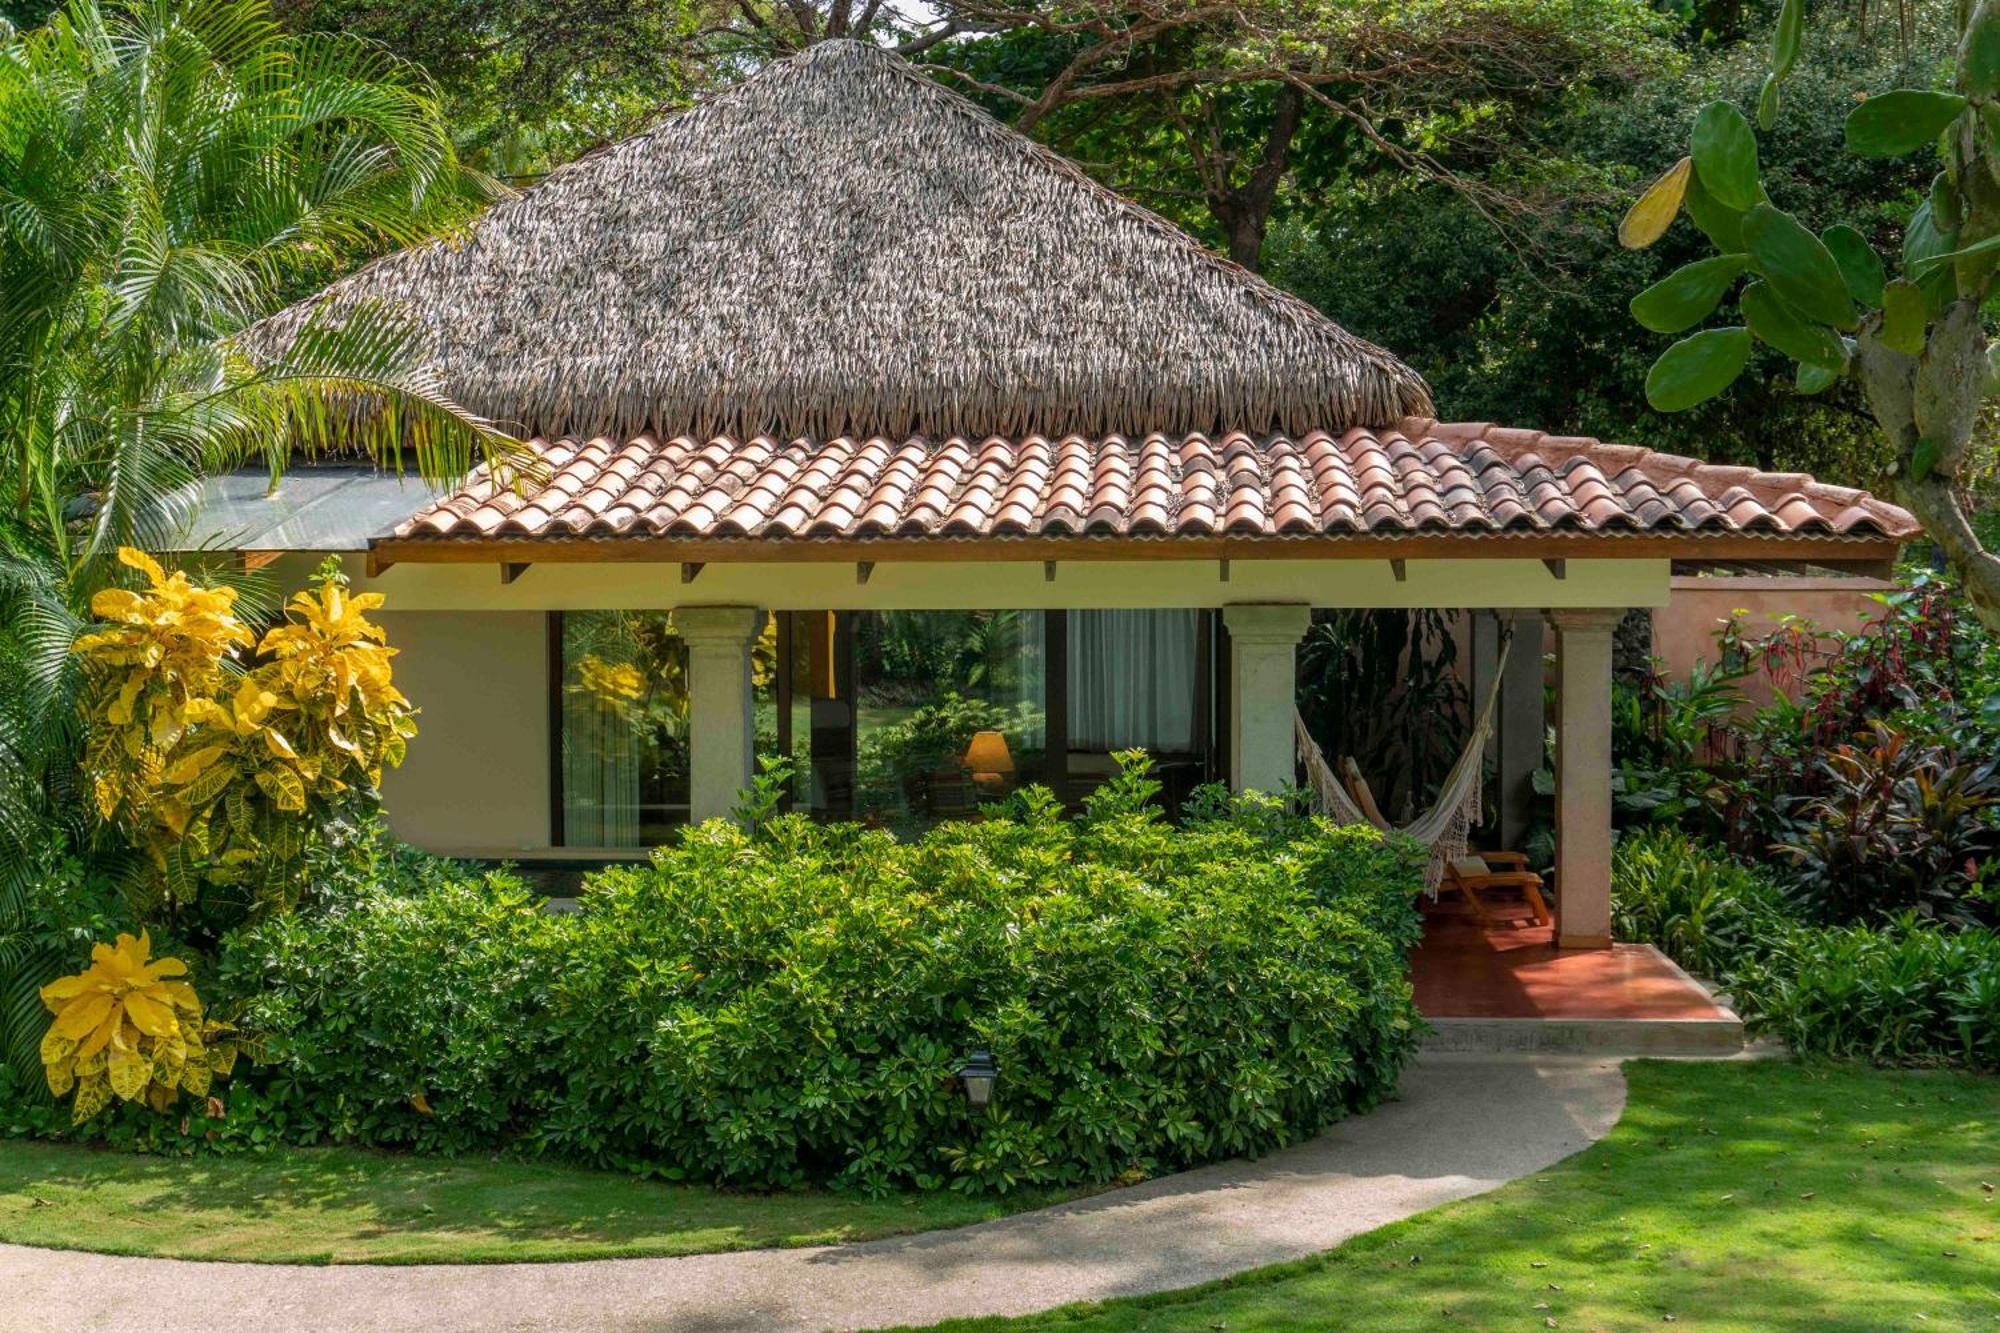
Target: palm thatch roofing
x=840 y=247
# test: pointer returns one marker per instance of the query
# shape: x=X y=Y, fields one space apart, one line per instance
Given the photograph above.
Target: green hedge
x=1909 y=991
x=789 y=1008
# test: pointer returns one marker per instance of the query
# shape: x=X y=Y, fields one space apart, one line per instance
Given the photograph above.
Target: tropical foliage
x=789 y=1005
x=218 y=776
x=168 y=174
x=1915 y=339
x=126 y=1027
x=1867 y=787
x=1903 y=991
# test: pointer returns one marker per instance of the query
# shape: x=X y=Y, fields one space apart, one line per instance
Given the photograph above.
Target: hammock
x=1444 y=828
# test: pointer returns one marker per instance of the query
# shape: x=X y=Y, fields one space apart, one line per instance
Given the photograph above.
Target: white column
x=1263 y=692
x=1583 y=776
x=722 y=734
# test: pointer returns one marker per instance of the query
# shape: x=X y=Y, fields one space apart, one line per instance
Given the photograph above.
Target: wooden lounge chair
x=1476 y=875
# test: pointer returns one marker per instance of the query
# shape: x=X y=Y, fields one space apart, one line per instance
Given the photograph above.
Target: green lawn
x=333 y=1205
x=1761 y=1197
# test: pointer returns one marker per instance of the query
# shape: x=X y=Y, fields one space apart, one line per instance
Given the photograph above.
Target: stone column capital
x=1277 y=623
x=726 y=626
x=1585 y=619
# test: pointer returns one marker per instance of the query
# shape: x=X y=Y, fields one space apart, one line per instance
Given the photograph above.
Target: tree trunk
x=1245 y=210
x=1936 y=397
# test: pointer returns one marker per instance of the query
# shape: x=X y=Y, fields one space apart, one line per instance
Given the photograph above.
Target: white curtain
x=600 y=773
x=1131 y=680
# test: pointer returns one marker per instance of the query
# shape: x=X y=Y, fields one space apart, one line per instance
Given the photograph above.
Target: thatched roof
x=840 y=247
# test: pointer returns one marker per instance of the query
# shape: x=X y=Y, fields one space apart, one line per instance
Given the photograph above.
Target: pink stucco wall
x=1684 y=629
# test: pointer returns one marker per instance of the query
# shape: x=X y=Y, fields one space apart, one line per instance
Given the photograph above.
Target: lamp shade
x=988 y=753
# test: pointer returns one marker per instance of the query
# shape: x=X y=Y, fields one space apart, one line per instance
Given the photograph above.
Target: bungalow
x=866 y=421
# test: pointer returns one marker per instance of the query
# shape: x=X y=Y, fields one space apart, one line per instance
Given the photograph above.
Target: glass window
x=949 y=711
x=622 y=712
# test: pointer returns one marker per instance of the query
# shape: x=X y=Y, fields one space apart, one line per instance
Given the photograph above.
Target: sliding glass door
x=896 y=718
x=904 y=718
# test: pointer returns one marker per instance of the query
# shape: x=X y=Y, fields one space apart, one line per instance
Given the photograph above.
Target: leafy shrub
x=1692 y=902
x=127 y=1027
x=789 y=1006
x=220 y=778
x=1909 y=992
x=1904 y=826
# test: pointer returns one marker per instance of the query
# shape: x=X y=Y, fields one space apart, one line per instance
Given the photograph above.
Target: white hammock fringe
x=1444 y=828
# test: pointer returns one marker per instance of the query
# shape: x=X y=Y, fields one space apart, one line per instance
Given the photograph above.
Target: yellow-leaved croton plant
x=127 y=1027
x=219 y=769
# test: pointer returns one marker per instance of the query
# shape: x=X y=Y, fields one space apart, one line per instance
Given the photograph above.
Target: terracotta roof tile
x=1418 y=477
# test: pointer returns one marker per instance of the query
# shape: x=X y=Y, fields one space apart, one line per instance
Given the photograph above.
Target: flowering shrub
x=789 y=1006
x=220 y=775
x=126 y=1027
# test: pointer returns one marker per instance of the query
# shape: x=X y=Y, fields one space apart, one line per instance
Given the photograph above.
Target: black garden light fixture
x=977 y=1076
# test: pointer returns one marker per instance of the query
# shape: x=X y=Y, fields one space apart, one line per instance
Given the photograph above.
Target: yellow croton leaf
x=57 y=1049
x=149 y=1015
x=129 y=1069
x=189 y=767
x=92 y=1047
x=92 y=1095
x=137 y=559
x=85 y=1014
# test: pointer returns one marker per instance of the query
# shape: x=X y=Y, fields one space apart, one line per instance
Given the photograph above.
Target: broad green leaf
x=1688 y=295
x=1923 y=266
x=1979 y=52
x=1785 y=41
x=1697 y=368
x=1900 y=122
x=1725 y=156
x=1923 y=241
x=1860 y=267
x=1799 y=268
x=1924 y=458
x=1947 y=207
x=1721 y=224
x=1650 y=216
x=1767 y=103
x=1904 y=315
x=1815 y=379
x=1774 y=323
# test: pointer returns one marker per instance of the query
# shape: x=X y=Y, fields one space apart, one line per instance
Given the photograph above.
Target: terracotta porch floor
x=1461 y=971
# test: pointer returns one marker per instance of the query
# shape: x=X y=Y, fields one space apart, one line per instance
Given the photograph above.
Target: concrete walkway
x=1462 y=1126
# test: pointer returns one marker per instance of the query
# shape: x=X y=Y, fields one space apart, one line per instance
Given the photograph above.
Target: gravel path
x=1463 y=1125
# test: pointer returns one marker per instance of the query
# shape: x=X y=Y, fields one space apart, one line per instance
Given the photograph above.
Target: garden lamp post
x=977 y=1076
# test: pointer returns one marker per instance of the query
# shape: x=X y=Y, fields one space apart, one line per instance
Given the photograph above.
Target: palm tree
x=170 y=171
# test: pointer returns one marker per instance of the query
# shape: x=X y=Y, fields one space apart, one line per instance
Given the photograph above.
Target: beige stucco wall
x=476 y=781
x=1026 y=585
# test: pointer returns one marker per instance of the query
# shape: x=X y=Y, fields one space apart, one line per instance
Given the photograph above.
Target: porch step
x=1721 y=1035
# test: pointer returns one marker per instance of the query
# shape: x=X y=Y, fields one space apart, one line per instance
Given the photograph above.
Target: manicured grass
x=333 y=1205
x=1761 y=1197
